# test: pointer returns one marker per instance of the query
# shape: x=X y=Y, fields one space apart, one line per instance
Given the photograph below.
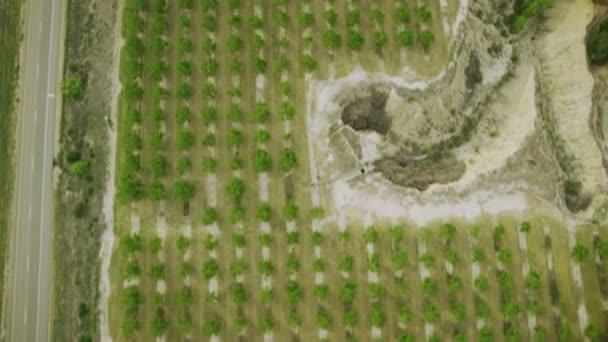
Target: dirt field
x=235 y=221
x=78 y=215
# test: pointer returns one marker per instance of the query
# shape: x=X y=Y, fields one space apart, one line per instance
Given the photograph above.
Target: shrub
x=72 y=88
x=262 y=161
x=184 y=191
x=235 y=189
x=288 y=160
x=597 y=44
x=264 y=212
x=209 y=216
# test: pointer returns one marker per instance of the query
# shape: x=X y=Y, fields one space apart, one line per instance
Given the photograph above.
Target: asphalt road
x=29 y=292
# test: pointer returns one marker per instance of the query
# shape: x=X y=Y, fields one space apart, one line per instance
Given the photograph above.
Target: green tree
x=404 y=315
x=510 y=309
x=183 y=190
x=324 y=320
x=184 y=67
x=426 y=38
x=294 y=293
x=481 y=283
x=290 y=211
x=402 y=15
x=580 y=253
x=306 y=19
x=185 y=139
x=405 y=38
x=288 y=160
x=209 y=114
x=261 y=112
x=130 y=326
x=259 y=65
x=429 y=287
x=331 y=17
x=424 y=14
x=346 y=264
x=353 y=17
x=533 y=281
x=235 y=189
x=377 y=317
x=351 y=318
x=262 y=161
x=212 y=327
x=354 y=40
x=210 y=268
x=348 y=292
x=380 y=40
x=79 y=168
x=377 y=16
x=209 y=216
x=159 y=324
x=239 y=295
x=235 y=137
x=184 y=297
x=267 y=323
x=183 y=165
x=131 y=299
x=320 y=291
x=332 y=39
x=210 y=67
x=157 y=271
x=309 y=64
x=430 y=313
x=264 y=212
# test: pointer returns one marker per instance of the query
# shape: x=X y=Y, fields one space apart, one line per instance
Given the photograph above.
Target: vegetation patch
x=10 y=39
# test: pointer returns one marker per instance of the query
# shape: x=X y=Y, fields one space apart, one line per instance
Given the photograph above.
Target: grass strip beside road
x=10 y=39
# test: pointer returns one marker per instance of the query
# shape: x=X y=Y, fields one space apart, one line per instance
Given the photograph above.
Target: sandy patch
x=108 y=238
x=568 y=86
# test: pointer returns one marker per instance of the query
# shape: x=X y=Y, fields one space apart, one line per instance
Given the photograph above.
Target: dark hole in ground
x=186 y=208
x=368 y=113
x=420 y=173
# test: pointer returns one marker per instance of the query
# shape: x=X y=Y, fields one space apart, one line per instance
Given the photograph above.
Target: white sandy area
x=449 y=268
x=369 y=248
x=515 y=112
x=161 y=287
x=213 y=229
x=376 y=332
x=266 y=282
x=215 y=338
x=108 y=237
x=213 y=286
x=372 y=277
x=569 y=86
x=319 y=279
x=265 y=253
x=238 y=253
x=265 y=227
x=130 y=282
x=263 y=182
x=291 y=226
x=317 y=252
x=211 y=189
x=260 y=82
x=429 y=329
x=135 y=221
x=443 y=5
x=322 y=334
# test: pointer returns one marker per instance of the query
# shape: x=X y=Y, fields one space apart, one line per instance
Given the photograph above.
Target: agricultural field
x=234 y=215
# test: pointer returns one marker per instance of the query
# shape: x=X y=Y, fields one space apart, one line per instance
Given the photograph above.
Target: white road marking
x=51 y=95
